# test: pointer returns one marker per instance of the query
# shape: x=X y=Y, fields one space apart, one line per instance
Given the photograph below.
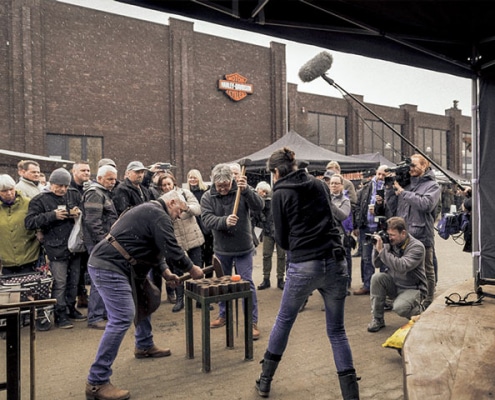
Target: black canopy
x=317 y=157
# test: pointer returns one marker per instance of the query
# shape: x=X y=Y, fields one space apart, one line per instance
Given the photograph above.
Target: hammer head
x=217 y=267
x=244 y=162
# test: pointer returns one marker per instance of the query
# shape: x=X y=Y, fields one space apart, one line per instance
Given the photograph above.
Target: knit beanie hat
x=60 y=177
x=6 y=182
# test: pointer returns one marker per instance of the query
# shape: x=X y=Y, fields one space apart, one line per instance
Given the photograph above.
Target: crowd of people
x=149 y=225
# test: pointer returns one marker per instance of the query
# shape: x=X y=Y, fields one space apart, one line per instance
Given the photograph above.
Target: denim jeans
x=116 y=292
x=65 y=275
x=243 y=267
x=330 y=278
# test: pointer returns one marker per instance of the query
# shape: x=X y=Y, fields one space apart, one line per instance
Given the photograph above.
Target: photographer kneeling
x=404 y=281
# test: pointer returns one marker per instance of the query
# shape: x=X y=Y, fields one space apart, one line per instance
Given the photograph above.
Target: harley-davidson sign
x=235 y=86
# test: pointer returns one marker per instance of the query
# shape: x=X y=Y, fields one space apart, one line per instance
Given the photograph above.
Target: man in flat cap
x=131 y=192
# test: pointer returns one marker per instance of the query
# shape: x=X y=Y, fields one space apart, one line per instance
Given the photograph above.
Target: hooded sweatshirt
x=304 y=224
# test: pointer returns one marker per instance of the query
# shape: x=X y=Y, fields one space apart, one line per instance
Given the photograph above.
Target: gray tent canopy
x=316 y=156
x=377 y=157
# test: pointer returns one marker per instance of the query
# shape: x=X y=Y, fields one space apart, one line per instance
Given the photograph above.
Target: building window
x=378 y=137
x=75 y=148
x=328 y=131
x=434 y=144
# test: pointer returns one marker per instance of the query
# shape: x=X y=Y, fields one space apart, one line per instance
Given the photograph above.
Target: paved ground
x=306 y=371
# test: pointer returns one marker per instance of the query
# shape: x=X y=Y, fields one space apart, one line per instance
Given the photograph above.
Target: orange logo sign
x=235 y=86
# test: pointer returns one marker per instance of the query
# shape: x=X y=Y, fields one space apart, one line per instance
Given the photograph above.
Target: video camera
x=402 y=174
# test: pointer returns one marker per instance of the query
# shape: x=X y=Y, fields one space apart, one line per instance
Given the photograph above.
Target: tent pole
x=475 y=212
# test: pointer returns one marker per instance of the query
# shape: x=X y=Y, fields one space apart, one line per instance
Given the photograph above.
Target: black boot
x=265 y=284
x=61 y=318
x=179 y=303
x=280 y=283
x=349 y=385
x=74 y=314
x=263 y=383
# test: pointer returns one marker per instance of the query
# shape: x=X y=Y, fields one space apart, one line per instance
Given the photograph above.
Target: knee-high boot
x=263 y=383
x=179 y=304
x=349 y=384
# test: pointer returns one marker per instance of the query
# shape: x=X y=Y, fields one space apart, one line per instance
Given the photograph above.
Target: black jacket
x=41 y=215
x=126 y=195
x=146 y=232
x=304 y=224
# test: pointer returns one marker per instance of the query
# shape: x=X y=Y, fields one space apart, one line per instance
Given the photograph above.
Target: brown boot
x=153 y=352
x=105 y=392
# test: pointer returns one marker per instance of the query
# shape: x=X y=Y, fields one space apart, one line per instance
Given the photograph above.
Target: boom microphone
x=316 y=67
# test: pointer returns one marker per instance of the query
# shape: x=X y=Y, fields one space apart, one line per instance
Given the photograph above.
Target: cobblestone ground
x=306 y=372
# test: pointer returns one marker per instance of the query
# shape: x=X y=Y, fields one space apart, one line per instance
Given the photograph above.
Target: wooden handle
x=238 y=194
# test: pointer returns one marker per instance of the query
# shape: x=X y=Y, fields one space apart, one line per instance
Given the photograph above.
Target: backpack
x=448 y=225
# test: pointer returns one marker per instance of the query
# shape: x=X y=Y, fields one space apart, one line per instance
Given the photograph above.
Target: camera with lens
x=369 y=239
x=402 y=174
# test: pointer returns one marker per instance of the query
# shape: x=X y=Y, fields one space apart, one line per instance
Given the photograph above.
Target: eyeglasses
x=471 y=299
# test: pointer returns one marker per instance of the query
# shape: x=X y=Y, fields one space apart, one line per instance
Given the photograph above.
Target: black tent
x=454 y=37
x=377 y=157
x=317 y=157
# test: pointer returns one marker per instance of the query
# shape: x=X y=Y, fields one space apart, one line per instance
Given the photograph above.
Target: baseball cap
x=328 y=174
x=136 y=166
x=106 y=161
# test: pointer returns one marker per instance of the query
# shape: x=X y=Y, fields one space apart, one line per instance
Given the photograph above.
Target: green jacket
x=18 y=245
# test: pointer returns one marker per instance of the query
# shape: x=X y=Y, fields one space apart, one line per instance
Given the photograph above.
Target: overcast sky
x=380 y=82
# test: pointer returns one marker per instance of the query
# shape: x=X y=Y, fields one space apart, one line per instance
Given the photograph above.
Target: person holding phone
x=366 y=222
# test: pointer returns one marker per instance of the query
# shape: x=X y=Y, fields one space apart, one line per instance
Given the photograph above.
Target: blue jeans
x=330 y=278
x=116 y=292
x=244 y=267
x=65 y=275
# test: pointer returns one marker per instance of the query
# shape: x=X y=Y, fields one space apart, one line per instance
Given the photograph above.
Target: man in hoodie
x=416 y=203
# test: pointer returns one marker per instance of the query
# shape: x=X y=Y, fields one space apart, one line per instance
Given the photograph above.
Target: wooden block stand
x=214 y=290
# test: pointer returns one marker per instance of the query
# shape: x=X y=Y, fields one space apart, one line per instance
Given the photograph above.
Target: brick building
x=79 y=83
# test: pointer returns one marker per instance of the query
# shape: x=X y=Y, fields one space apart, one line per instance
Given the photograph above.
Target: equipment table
x=206 y=292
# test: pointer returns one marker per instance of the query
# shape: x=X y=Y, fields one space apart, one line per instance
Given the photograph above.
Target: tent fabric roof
x=377 y=157
x=454 y=37
x=316 y=156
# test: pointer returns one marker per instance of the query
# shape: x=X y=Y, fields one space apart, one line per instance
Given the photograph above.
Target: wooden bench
x=449 y=352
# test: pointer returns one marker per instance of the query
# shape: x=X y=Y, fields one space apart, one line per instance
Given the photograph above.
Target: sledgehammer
x=216 y=266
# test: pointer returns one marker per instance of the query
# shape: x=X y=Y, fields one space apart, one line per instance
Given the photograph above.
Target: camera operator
x=404 y=280
x=416 y=203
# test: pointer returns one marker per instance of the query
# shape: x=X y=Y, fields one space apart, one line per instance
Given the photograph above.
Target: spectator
x=187 y=231
x=404 y=280
x=198 y=188
x=81 y=174
x=341 y=209
x=131 y=192
x=99 y=214
x=348 y=185
x=146 y=234
x=42 y=180
x=305 y=227
x=232 y=232
x=265 y=221
x=416 y=203
x=19 y=248
x=366 y=223
x=29 y=181
x=53 y=212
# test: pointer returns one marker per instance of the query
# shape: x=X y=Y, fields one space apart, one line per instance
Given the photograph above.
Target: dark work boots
x=349 y=384
x=263 y=383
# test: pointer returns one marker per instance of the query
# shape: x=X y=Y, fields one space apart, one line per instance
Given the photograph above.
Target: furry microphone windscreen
x=316 y=67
